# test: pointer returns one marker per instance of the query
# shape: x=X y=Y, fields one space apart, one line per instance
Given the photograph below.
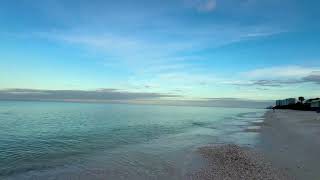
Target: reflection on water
x=81 y=141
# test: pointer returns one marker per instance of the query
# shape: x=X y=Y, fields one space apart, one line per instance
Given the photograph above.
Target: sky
x=191 y=51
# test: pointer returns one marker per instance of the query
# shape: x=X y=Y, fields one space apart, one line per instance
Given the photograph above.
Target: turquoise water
x=43 y=140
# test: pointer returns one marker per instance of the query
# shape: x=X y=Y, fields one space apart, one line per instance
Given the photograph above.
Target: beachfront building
x=286 y=102
x=315 y=103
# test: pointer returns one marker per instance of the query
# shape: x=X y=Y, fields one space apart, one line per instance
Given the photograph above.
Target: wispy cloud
x=202 y=5
x=314 y=77
x=264 y=33
x=270 y=83
x=282 y=72
x=147 y=53
x=281 y=76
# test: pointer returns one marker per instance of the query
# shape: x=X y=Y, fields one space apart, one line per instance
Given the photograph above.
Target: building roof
x=316 y=100
x=311 y=100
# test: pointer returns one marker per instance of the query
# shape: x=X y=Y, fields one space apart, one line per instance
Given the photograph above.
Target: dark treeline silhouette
x=297 y=106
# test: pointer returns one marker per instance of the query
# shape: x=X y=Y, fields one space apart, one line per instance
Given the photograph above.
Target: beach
x=51 y=140
x=290 y=140
x=56 y=140
x=288 y=148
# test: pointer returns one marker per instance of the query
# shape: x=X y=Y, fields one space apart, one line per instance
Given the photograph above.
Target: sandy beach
x=288 y=148
x=290 y=140
x=231 y=144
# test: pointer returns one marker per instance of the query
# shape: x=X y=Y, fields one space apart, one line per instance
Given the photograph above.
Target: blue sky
x=186 y=49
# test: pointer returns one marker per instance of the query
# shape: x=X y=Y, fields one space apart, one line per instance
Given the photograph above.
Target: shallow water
x=55 y=140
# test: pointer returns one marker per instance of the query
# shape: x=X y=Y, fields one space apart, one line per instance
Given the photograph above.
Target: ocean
x=61 y=140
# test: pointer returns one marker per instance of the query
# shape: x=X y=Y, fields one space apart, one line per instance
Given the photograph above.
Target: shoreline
x=288 y=148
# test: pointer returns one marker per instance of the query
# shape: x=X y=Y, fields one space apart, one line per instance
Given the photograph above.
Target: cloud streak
x=146 y=54
x=79 y=95
x=203 y=5
x=282 y=72
x=116 y=96
x=281 y=76
x=315 y=78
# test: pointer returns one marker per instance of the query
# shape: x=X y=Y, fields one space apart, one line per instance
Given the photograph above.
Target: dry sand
x=291 y=141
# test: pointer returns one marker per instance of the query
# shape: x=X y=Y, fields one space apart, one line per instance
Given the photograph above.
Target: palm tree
x=301 y=99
